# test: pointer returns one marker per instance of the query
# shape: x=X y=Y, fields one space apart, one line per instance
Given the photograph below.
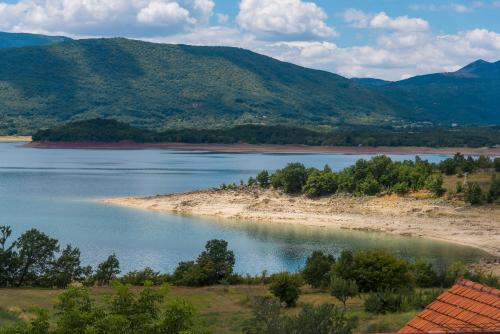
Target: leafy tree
x=473 y=193
x=74 y=311
x=286 y=287
x=107 y=270
x=369 y=186
x=434 y=183
x=178 y=317
x=494 y=192
x=317 y=269
x=424 y=274
x=496 y=164
x=320 y=184
x=374 y=270
x=343 y=289
x=66 y=268
x=35 y=251
x=290 y=179
x=263 y=179
x=322 y=319
x=217 y=261
x=142 y=276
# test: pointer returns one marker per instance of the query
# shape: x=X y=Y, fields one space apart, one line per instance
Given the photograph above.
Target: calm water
x=57 y=191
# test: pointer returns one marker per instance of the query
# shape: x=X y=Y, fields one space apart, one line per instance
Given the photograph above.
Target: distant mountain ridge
x=469 y=95
x=162 y=86
x=14 y=40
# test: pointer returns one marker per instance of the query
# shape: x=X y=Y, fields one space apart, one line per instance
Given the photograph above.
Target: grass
x=481 y=178
x=222 y=309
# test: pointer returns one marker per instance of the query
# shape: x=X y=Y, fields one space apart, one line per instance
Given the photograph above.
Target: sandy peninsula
x=415 y=215
x=13 y=139
x=254 y=148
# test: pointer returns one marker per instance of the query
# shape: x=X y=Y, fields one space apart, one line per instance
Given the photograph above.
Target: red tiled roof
x=465 y=307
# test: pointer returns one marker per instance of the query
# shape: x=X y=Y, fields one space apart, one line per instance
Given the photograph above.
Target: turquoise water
x=57 y=191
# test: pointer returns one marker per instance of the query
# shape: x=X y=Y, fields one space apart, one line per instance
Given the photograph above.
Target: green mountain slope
x=469 y=95
x=165 y=86
x=14 y=40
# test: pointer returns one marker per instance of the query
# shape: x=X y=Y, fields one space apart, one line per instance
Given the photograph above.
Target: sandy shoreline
x=250 y=148
x=15 y=139
x=424 y=217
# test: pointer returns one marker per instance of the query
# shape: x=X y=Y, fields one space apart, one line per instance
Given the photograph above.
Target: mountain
x=469 y=95
x=14 y=40
x=166 y=86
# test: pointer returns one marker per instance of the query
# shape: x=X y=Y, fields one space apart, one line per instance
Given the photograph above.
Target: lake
x=58 y=192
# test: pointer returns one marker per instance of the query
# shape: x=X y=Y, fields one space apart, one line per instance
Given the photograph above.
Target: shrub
x=392 y=301
x=434 y=183
x=290 y=179
x=473 y=193
x=343 y=289
x=214 y=265
x=369 y=186
x=401 y=188
x=317 y=269
x=286 y=287
x=143 y=276
x=263 y=179
x=374 y=270
x=494 y=192
x=424 y=274
x=107 y=270
x=320 y=184
x=496 y=163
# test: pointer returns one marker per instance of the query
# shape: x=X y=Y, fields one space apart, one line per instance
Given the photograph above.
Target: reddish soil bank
x=249 y=148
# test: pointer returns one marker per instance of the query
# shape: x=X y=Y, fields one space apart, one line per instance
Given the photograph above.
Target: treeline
x=386 y=282
x=381 y=175
x=102 y=130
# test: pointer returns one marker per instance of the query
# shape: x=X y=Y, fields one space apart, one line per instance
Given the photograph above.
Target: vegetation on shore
x=102 y=130
x=382 y=175
x=387 y=284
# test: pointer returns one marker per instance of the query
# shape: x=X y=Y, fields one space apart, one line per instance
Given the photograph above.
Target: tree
x=369 y=186
x=425 y=276
x=216 y=261
x=290 y=179
x=496 y=163
x=67 y=268
x=494 y=192
x=343 y=289
x=35 y=251
x=286 y=287
x=107 y=270
x=434 y=183
x=374 y=270
x=263 y=179
x=320 y=184
x=473 y=193
x=178 y=317
x=7 y=257
x=317 y=269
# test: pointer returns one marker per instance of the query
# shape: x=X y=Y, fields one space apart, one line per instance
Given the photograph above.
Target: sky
x=387 y=39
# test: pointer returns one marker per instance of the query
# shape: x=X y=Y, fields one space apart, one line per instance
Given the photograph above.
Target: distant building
x=467 y=307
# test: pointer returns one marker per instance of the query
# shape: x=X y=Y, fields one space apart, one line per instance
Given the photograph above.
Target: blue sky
x=390 y=39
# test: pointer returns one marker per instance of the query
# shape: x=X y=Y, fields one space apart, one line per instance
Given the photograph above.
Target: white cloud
x=456 y=7
x=222 y=18
x=104 y=17
x=292 y=18
x=360 y=19
x=161 y=13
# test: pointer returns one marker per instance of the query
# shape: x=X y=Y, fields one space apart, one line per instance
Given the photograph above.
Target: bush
x=496 y=163
x=392 y=301
x=317 y=269
x=286 y=287
x=434 y=183
x=268 y=318
x=290 y=179
x=494 y=192
x=320 y=184
x=374 y=270
x=263 y=179
x=214 y=265
x=143 y=276
x=424 y=274
x=401 y=188
x=473 y=193
x=343 y=289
